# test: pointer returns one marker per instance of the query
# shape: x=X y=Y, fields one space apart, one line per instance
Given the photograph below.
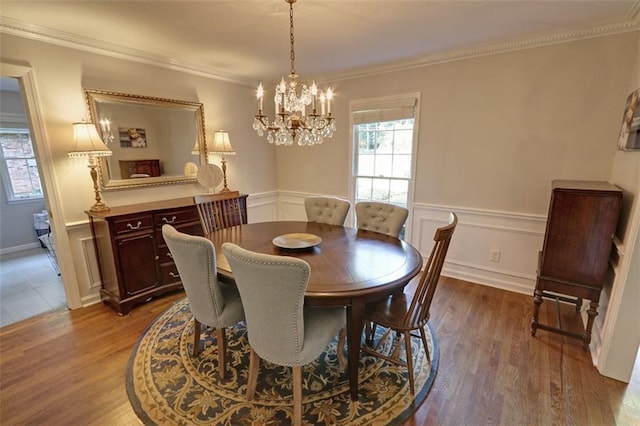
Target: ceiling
x=248 y=40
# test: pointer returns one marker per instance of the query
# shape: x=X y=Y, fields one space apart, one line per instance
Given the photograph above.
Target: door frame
x=27 y=81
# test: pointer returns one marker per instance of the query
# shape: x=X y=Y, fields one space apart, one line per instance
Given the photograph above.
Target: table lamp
x=89 y=145
x=222 y=146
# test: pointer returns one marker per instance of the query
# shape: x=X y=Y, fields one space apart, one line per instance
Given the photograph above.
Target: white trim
x=61 y=38
x=33 y=110
x=21 y=247
x=87 y=44
x=489 y=49
x=382 y=102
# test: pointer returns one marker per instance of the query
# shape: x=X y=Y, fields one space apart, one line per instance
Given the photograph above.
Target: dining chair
x=212 y=302
x=281 y=329
x=218 y=211
x=380 y=217
x=409 y=311
x=330 y=210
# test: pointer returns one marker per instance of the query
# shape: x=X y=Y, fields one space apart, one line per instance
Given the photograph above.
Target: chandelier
x=292 y=121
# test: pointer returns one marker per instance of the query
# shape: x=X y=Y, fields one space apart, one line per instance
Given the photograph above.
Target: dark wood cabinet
x=133 y=259
x=574 y=260
x=139 y=168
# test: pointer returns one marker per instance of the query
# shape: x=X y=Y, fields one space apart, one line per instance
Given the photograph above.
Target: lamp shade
x=196 y=149
x=221 y=144
x=88 y=142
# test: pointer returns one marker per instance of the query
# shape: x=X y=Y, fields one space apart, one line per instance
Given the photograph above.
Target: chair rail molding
x=517 y=238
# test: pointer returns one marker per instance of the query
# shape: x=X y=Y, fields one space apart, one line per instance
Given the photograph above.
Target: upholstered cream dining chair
x=409 y=311
x=281 y=329
x=329 y=210
x=381 y=217
x=212 y=303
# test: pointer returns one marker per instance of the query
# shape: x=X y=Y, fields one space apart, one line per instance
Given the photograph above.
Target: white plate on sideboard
x=296 y=241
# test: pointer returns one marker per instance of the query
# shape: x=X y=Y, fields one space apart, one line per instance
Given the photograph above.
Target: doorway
x=30 y=282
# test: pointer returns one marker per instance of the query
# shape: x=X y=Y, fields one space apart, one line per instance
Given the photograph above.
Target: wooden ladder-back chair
x=409 y=311
x=218 y=211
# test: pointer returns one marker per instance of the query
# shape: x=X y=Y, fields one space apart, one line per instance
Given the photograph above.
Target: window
x=18 y=165
x=383 y=134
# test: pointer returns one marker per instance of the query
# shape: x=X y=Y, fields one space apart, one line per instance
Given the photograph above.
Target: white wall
x=620 y=330
x=494 y=131
x=60 y=75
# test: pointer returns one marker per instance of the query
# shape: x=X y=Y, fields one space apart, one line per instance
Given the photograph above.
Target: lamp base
x=99 y=207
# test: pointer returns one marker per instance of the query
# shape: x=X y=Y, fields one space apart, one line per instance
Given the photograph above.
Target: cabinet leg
x=537 y=301
x=591 y=312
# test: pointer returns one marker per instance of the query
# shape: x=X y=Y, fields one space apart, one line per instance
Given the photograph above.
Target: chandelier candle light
x=291 y=99
x=89 y=145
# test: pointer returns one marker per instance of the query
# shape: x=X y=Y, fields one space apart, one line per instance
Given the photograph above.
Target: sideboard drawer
x=174 y=217
x=133 y=224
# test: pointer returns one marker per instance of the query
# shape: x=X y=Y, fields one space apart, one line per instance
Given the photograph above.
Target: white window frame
x=375 y=106
x=18 y=124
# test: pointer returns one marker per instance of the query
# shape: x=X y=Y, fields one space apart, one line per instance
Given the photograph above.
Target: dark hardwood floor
x=67 y=368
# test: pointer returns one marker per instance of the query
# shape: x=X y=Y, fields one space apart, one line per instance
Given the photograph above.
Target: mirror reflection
x=151 y=139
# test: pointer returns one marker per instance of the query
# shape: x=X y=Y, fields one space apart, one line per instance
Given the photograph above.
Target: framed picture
x=131 y=137
x=629 y=139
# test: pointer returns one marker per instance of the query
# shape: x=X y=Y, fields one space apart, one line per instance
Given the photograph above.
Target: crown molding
x=87 y=44
x=491 y=49
x=61 y=38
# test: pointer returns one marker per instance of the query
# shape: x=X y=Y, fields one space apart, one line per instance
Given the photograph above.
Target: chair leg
x=297 y=396
x=423 y=336
x=196 y=337
x=407 y=345
x=222 y=351
x=254 y=366
x=342 y=362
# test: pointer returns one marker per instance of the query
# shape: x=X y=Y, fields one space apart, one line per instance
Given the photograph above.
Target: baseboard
x=22 y=247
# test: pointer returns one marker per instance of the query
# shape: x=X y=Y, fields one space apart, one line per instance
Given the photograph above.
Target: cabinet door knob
x=169 y=255
x=173 y=219
x=174 y=275
x=137 y=226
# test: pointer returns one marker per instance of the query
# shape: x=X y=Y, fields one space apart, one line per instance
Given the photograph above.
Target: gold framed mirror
x=155 y=141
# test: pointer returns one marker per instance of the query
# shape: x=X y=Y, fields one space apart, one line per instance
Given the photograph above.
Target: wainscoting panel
x=262 y=207
x=516 y=237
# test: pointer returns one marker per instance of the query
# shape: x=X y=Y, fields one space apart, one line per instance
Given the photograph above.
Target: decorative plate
x=296 y=241
x=209 y=175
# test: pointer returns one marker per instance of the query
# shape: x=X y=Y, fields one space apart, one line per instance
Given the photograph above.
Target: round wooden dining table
x=349 y=267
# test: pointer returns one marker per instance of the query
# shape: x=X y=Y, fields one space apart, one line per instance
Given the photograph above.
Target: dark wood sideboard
x=574 y=260
x=133 y=259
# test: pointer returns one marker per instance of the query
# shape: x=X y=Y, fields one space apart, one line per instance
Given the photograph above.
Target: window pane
x=383 y=165
x=363 y=189
x=24 y=182
x=386 y=142
x=380 y=190
x=403 y=142
x=18 y=165
x=365 y=165
x=399 y=192
x=401 y=166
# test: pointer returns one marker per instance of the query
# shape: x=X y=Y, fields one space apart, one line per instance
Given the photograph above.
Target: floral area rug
x=167 y=385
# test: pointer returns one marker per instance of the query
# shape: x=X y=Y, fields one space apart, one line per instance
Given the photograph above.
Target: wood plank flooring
x=67 y=368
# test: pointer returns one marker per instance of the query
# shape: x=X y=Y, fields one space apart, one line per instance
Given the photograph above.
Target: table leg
x=355 y=315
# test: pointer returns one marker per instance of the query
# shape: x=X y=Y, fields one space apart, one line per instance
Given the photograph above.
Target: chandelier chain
x=291 y=39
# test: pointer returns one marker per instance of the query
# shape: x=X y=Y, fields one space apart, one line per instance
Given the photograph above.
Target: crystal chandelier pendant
x=297 y=118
